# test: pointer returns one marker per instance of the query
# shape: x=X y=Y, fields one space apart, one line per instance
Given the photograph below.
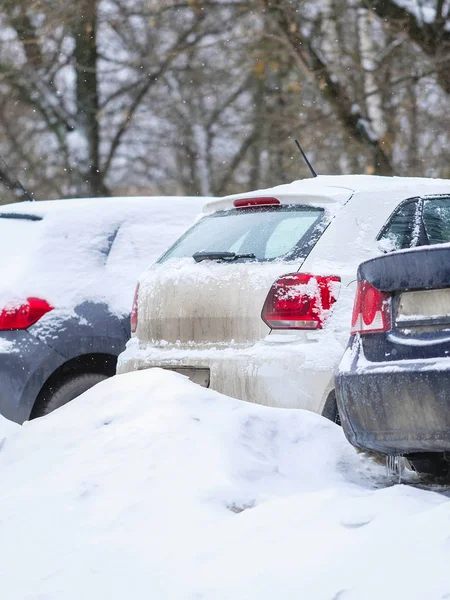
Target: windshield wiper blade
x=227 y=256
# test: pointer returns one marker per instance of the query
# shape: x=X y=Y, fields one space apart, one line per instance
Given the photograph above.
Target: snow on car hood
x=86 y=249
x=149 y=486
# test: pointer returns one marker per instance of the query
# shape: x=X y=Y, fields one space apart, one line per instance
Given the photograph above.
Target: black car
x=67 y=276
x=393 y=383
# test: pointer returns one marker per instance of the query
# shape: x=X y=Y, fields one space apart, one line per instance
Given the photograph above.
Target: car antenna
x=17 y=183
x=314 y=174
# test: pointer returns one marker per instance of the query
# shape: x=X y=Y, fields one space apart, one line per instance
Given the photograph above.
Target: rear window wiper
x=227 y=256
x=22 y=216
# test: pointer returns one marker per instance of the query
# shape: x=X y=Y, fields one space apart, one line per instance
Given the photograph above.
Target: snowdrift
x=7 y=428
x=149 y=486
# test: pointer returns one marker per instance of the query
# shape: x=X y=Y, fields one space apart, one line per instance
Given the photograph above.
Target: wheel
x=66 y=391
x=330 y=410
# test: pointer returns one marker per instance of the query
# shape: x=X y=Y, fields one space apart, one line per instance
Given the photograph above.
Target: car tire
x=67 y=390
x=330 y=410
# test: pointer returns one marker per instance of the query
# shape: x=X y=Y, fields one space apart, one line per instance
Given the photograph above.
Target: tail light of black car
x=300 y=301
x=22 y=316
x=371 y=310
x=134 y=310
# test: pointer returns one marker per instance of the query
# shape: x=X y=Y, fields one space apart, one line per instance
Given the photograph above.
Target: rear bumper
x=396 y=408
x=282 y=375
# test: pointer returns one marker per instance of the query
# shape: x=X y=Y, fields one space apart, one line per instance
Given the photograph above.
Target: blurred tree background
x=108 y=97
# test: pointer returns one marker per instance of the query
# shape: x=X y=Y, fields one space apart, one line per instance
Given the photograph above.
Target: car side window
x=404 y=228
x=436 y=219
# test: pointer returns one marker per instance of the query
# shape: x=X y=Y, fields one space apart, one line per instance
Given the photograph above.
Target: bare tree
x=427 y=24
x=102 y=97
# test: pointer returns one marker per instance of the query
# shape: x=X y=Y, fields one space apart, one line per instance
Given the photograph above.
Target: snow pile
x=148 y=486
x=87 y=249
x=7 y=428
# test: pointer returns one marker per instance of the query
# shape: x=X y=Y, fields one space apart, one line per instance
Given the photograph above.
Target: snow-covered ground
x=149 y=486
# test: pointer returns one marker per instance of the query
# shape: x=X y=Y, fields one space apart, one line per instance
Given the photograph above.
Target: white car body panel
x=208 y=316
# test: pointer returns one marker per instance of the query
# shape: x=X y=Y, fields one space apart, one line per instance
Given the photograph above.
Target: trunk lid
x=206 y=302
x=219 y=302
x=420 y=282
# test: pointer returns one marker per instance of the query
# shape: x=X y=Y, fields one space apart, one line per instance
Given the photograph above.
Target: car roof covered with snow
x=70 y=251
x=123 y=205
x=338 y=188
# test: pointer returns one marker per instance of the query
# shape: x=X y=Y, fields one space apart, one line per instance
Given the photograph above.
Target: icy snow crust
x=149 y=486
x=64 y=257
x=222 y=303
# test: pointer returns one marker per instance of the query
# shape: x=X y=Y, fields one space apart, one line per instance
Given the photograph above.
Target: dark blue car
x=393 y=384
x=68 y=270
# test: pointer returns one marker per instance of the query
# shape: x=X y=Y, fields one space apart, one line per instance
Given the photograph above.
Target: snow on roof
x=149 y=486
x=87 y=249
x=338 y=187
x=109 y=205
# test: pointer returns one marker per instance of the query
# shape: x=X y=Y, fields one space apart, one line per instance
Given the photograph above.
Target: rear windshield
x=287 y=232
x=15 y=232
x=17 y=236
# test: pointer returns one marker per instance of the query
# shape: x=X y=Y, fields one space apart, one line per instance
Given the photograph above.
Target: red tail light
x=371 y=310
x=134 y=310
x=246 y=202
x=300 y=301
x=23 y=315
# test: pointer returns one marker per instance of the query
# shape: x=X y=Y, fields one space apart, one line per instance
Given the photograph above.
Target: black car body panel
x=25 y=363
x=397 y=406
x=29 y=357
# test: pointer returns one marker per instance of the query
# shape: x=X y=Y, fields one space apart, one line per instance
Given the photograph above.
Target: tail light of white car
x=371 y=310
x=22 y=316
x=300 y=301
x=252 y=202
x=134 y=310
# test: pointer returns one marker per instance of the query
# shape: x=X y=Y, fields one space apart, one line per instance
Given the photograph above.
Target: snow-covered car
x=255 y=300
x=393 y=383
x=67 y=276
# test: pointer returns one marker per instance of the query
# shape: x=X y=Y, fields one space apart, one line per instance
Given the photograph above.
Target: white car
x=255 y=299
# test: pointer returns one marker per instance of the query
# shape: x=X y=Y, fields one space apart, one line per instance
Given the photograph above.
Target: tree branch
x=126 y=121
x=349 y=114
x=432 y=38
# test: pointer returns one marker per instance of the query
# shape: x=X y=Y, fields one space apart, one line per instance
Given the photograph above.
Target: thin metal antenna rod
x=17 y=183
x=314 y=174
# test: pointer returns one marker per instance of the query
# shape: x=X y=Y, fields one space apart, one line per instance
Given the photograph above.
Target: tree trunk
x=85 y=35
x=433 y=38
x=332 y=89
